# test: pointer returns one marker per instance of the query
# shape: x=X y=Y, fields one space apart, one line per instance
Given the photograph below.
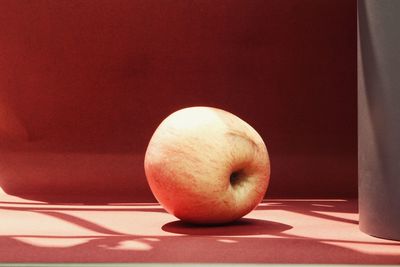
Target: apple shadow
x=244 y=226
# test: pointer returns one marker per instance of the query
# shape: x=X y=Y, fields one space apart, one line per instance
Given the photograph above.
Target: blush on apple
x=207 y=166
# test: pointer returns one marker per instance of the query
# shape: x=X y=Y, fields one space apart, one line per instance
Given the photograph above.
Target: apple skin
x=207 y=166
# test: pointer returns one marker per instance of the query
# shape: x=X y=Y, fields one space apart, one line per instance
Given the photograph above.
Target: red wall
x=95 y=78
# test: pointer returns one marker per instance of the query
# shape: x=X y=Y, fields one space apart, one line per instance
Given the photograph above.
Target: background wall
x=83 y=85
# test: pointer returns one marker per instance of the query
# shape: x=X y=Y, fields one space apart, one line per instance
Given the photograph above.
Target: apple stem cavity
x=236 y=178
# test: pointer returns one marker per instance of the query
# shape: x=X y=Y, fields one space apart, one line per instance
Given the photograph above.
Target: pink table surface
x=278 y=231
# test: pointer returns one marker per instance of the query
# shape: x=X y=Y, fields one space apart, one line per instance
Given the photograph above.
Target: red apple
x=207 y=166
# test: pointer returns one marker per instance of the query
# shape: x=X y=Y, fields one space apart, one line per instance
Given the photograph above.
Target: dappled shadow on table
x=164 y=239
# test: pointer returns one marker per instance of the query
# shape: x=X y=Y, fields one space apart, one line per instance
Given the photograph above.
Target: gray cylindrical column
x=379 y=117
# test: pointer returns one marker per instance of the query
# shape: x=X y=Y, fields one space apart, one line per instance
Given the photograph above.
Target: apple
x=207 y=166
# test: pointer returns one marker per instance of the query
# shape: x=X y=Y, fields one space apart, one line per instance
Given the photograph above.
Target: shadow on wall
x=65 y=177
x=240 y=242
x=70 y=170
x=11 y=128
